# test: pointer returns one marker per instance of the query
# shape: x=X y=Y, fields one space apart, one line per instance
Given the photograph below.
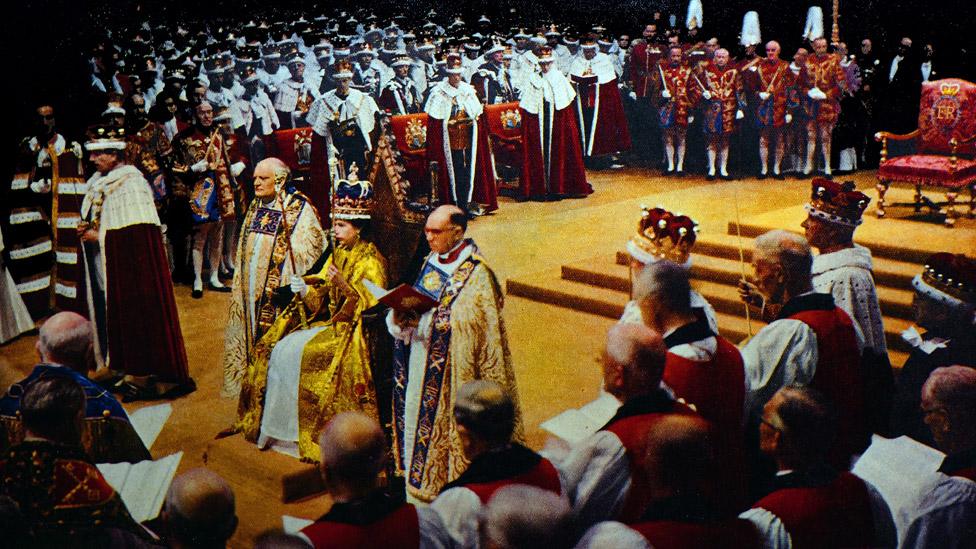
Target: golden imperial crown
x=353 y=199
x=663 y=235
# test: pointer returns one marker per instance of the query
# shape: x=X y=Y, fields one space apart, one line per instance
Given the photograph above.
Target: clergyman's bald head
x=66 y=339
x=200 y=508
x=353 y=449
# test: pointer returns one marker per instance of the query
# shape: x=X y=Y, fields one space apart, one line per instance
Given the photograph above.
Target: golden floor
x=555 y=349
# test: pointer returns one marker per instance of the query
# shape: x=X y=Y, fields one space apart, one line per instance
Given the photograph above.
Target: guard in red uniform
x=673 y=81
x=825 y=86
x=718 y=88
x=770 y=80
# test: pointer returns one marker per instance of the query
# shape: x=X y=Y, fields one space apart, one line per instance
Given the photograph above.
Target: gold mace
x=835 y=29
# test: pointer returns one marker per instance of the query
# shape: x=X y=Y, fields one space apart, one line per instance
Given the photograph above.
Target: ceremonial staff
x=291 y=253
x=742 y=259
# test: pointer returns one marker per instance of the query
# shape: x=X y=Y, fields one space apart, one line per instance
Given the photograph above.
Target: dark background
x=47 y=40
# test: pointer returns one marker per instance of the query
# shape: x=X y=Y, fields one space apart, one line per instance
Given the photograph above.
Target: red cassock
x=439 y=111
x=497 y=469
x=838 y=374
x=550 y=134
x=372 y=525
x=630 y=425
x=837 y=514
x=599 y=107
x=716 y=388
x=718 y=534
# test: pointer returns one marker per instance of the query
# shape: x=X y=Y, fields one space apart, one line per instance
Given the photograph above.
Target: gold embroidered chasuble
x=263 y=265
x=477 y=348
x=335 y=366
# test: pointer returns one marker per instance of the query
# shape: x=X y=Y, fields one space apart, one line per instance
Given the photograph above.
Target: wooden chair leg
x=882 y=188
x=918 y=198
x=950 y=211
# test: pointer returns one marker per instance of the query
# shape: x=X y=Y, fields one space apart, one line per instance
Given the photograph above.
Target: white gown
x=14 y=318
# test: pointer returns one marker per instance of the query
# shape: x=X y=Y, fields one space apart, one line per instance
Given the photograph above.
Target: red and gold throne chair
x=945 y=158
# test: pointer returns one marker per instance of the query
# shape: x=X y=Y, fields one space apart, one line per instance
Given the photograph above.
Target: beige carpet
x=555 y=349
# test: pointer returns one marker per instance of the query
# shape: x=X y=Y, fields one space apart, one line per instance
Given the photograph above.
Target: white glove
x=236 y=168
x=739 y=115
x=298 y=286
x=789 y=118
x=41 y=186
x=666 y=94
x=633 y=95
x=707 y=94
x=691 y=119
x=816 y=94
x=764 y=95
x=199 y=167
x=753 y=69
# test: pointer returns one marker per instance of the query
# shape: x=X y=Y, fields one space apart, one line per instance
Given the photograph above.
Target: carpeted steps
x=601 y=286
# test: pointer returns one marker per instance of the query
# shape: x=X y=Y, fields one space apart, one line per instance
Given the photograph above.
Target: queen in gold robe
x=313 y=362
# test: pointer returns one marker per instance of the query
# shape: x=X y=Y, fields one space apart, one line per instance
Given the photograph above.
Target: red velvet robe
x=484 y=191
x=567 y=176
x=144 y=335
x=607 y=132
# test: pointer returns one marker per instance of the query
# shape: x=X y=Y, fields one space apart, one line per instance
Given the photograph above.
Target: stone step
x=896 y=273
x=895 y=302
x=550 y=287
x=715 y=279
x=886 y=250
x=584 y=297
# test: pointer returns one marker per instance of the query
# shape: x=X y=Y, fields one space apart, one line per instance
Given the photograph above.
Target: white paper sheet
x=903 y=470
x=149 y=421
x=293 y=525
x=575 y=425
x=142 y=486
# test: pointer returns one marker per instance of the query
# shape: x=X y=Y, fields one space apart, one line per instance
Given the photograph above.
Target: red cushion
x=947 y=109
x=928 y=169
